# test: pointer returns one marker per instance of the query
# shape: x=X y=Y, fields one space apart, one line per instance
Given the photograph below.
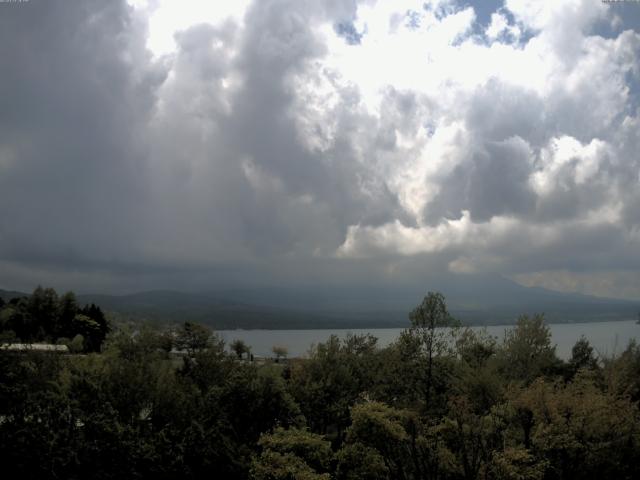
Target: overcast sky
x=200 y=144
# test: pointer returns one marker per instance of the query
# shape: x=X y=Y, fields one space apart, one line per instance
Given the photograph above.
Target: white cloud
x=167 y=17
x=500 y=28
x=566 y=162
x=478 y=142
x=554 y=16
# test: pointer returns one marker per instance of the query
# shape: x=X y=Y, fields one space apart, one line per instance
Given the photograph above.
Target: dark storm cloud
x=81 y=185
x=76 y=92
x=491 y=181
x=499 y=111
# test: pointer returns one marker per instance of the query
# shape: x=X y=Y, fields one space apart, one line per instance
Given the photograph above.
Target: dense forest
x=45 y=317
x=439 y=403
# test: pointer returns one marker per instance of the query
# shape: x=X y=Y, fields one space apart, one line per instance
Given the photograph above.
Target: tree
x=472 y=438
x=239 y=348
x=291 y=455
x=356 y=461
x=90 y=330
x=426 y=318
x=580 y=431
x=256 y=400
x=206 y=368
x=475 y=375
x=475 y=348
x=67 y=310
x=622 y=373
x=35 y=417
x=76 y=344
x=379 y=427
x=527 y=352
x=337 y=374
x=16 y=318
x=42 y=307
x=272 y=465
x=582 y=357
x=193 y=337
x=280 y=352
x=516 y=463
x=95 y=313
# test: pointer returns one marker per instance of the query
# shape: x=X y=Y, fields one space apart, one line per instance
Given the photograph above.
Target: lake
x=606 y=338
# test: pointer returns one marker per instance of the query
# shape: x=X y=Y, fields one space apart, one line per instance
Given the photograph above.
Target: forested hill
x=421 y=408
x=472 y=299
x=45 y=316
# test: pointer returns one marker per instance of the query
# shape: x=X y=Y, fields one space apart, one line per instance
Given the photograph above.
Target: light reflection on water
x=607 y=338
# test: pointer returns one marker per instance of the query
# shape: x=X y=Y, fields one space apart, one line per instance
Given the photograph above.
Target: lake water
x=607 y=338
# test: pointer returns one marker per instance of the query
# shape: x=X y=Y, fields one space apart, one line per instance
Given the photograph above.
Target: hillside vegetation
x=44 y=316
x=437 y=404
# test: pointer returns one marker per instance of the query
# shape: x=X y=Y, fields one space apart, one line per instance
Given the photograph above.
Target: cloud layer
x=288 y=141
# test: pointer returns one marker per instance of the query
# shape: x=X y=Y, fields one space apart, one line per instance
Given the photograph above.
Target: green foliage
x=377 y=425
x=471 y=437
x=527 y=352
x=582 y=358
x=277 y=466
x=76 y=344
x=475 y=375
x=431 y=313
x=400 y=378
x=45 y=317
x=516 y=463
x=313 y=449
x=192 y=338
x=280 y=352
x=475 y=349
x=356 y=461
x=239 y=348
x=257 y=400
x=336 y=375
x=292 y=454
x=42 y=308
x=437 y=404
x=580 y=431
x=623 y=373
x=380 y=428
x=428 y=322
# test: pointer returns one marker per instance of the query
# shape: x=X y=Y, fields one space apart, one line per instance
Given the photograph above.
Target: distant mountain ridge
x=9 y=294
x=474 y=300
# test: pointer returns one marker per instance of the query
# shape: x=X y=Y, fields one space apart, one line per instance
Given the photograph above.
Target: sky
x=196 y=145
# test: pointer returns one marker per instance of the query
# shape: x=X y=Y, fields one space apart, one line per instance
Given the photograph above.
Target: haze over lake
x=607 y=338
